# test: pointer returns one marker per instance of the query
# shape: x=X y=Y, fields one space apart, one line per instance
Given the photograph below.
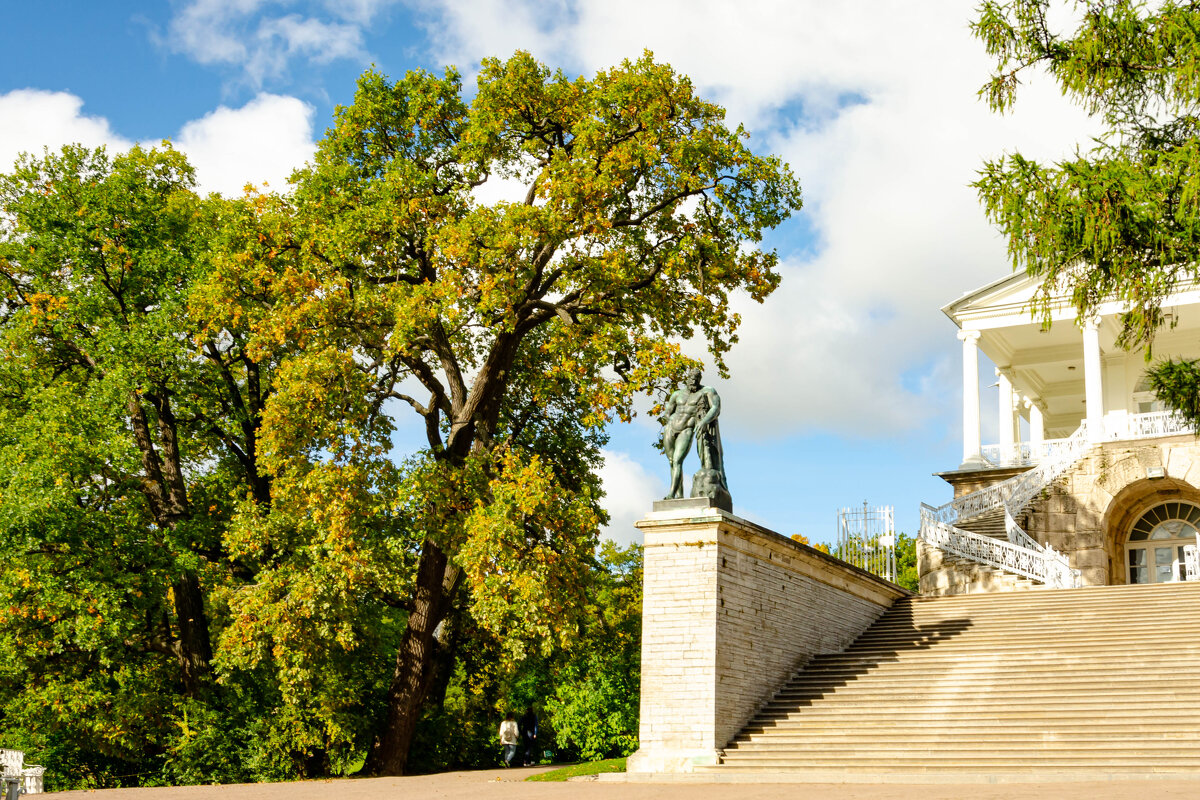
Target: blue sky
x=845 y=386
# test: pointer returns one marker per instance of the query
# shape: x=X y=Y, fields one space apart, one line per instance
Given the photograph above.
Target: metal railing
x=1146 y=426
x=1132 y=426
x=1022 y=554
x=867 y=539
x=1018 y=490
x=1045 y=566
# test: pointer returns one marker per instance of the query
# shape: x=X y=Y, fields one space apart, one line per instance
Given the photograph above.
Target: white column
x=1092 y=381
x=970 y=393
x=1005 y=418
x=1037 y=423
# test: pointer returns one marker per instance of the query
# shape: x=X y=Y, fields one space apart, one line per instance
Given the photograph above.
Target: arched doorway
x=1154 y=551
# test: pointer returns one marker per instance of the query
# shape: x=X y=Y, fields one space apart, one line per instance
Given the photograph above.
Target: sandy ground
x=509 y=785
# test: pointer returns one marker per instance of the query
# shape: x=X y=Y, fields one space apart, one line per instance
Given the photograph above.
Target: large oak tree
x=513 y=329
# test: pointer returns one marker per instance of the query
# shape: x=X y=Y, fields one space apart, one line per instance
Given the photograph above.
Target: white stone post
x=972 y=458
x=1092 y=379
x=1005 y=418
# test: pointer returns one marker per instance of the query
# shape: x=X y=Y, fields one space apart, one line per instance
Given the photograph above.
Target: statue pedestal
x=684 y=504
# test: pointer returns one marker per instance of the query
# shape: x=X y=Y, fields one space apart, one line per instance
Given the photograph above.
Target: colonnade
x=1011 y=400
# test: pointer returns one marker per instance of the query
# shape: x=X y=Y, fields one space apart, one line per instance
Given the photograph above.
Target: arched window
x=1155 y=546
x=1144 y=399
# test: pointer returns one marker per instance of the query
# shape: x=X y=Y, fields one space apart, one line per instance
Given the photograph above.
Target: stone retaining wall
x=730 y=611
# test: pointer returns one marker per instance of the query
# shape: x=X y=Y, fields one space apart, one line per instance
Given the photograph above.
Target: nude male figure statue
x=692 y=413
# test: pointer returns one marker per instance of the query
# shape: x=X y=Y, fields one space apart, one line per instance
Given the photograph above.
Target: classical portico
x=1049 y=379
x=1034 y=496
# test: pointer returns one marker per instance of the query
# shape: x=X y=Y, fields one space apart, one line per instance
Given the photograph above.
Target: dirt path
x=509 y=785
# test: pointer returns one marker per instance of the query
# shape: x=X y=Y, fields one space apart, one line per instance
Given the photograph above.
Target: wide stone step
x=1182 y=732
x=1031 y=645
x=1063 y=618
x=1045 y=598
x=862 y=664
x=898 y=758
x=914 y=775
x=986 y=673
x=1003 y=626
x=951 y=728
x=1113 y=752
x=1100 y=695
x=950 y=705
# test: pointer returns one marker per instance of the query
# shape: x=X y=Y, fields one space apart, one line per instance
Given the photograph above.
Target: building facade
x=1091 y=481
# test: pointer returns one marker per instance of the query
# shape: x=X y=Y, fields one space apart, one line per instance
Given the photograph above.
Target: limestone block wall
x=730 y=611
x=1088 y=512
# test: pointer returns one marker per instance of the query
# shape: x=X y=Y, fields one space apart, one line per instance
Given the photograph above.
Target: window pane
x=1164 y=564
x=1137 y=566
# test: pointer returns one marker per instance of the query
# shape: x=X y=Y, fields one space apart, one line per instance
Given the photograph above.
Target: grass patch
x=574 y=770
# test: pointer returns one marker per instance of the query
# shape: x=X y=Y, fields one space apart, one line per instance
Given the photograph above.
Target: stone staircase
x=1074 y=684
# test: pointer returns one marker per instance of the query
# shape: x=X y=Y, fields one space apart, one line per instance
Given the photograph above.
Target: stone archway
x=1128 y=506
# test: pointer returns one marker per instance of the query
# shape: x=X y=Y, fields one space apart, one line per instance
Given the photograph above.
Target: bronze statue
x=692 y=413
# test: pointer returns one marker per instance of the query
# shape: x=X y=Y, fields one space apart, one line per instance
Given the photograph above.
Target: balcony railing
x=1132 y=426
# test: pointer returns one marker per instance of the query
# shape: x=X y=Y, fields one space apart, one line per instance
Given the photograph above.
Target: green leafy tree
x=906 y=562
x=1121 y=219
x=595 y=701
x=496 y=324
x=127 y=435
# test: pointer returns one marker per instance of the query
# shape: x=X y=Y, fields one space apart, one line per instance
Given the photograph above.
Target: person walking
x=509 y=738
x=529 y=732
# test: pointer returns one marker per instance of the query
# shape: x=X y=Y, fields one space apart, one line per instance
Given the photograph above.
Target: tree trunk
x=194 y=649
x=415 y=662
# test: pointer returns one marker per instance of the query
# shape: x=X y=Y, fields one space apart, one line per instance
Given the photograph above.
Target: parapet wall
x=730 y=611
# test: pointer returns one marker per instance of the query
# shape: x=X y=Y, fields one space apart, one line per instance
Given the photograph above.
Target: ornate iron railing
x=1051 y=459
x=1045 y=566
x=1017 y=535
x=1133 y=426
x=1017 y=491
x=1021 y=554
x=1146 y=426
x=1023 y=454
x=1191 y=563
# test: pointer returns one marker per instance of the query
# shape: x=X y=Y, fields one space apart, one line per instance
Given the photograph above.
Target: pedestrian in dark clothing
x=529 y=732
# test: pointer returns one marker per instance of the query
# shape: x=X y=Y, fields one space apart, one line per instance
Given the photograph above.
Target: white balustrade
x=1054 y=572
x=1049 y=459
x=1131 y=426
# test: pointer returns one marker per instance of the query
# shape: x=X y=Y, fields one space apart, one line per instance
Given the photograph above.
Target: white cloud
x=874 y=106
x=629 y=491
x=252 y=35
x=263 y=141
x=31 y=120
